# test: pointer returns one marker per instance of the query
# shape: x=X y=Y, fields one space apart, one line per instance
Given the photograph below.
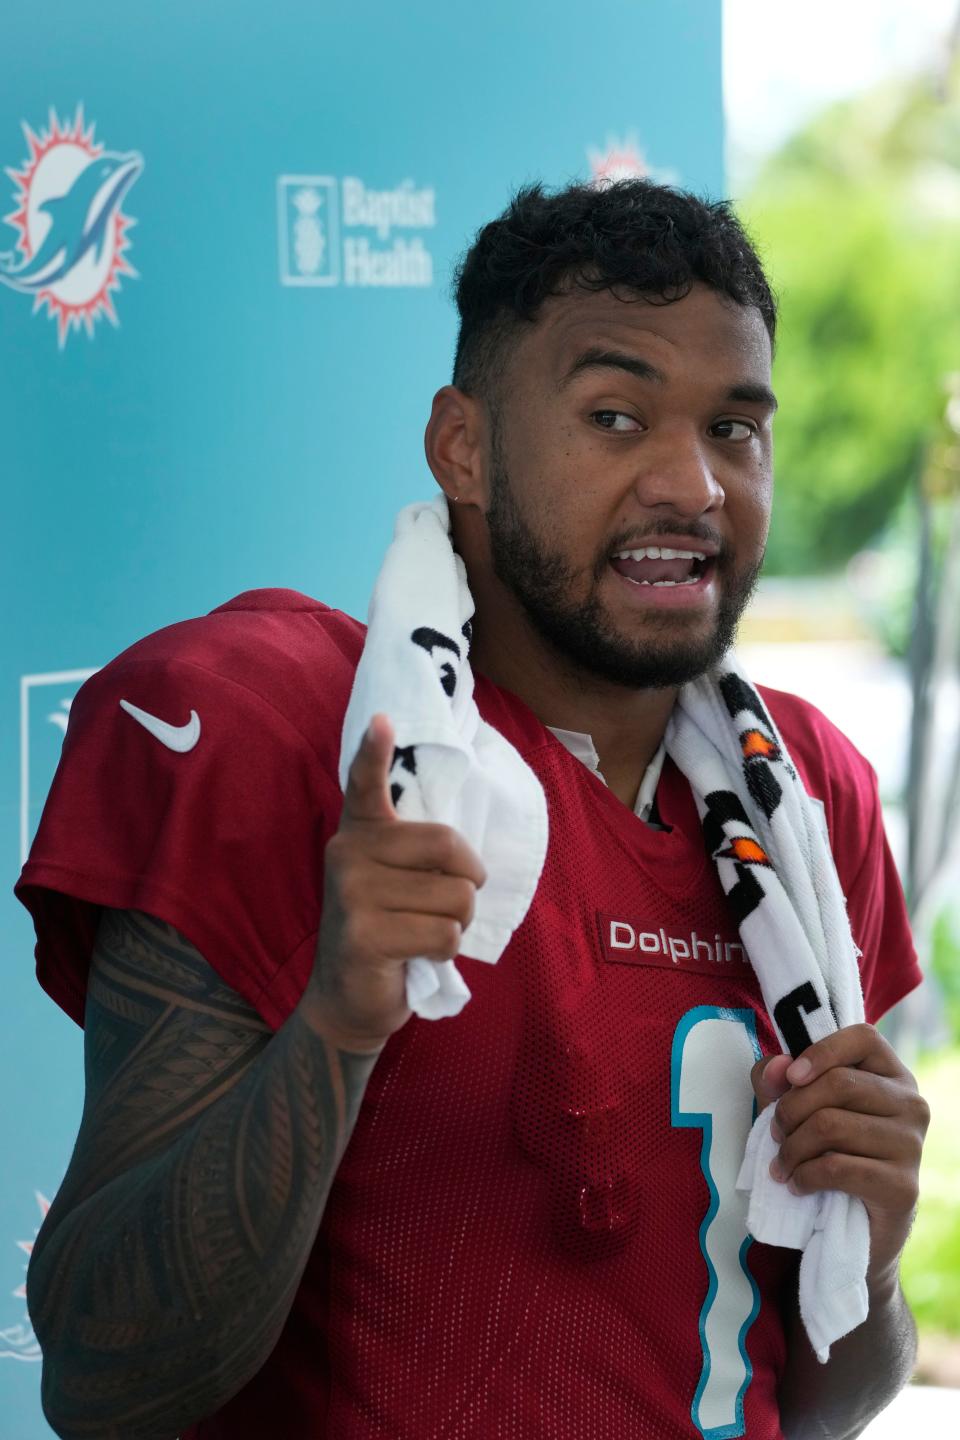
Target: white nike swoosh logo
x=176 y=737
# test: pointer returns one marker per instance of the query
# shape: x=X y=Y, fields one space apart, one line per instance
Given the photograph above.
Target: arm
x=169 y=1261
x=866 y=1370
x=848 y=1117
x=194 y=1194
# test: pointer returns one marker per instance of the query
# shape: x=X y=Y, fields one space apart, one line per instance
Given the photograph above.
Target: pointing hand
x=393 y=889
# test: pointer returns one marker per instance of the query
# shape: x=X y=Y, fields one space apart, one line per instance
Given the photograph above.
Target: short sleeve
x=889 y=969
x=221 y=835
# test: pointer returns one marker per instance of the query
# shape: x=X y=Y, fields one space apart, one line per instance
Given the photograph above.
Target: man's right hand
x=393 y=890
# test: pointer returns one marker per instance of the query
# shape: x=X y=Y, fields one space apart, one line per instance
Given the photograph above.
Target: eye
x=616 y=420
x=733 y=429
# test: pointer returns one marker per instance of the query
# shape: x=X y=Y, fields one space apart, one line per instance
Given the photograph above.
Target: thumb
x=367 y=796
x=769 y=1078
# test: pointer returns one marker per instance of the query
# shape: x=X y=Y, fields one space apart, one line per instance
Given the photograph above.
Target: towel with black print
x=763 y=833
x=449 y=766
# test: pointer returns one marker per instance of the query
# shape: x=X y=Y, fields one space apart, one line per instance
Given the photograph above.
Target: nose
x=676 y=471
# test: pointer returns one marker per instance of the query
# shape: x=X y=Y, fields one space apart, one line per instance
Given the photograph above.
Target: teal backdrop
x=226 y=240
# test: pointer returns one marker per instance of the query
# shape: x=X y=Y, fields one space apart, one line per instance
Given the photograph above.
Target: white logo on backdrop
x=38 y=725
x=332 y=231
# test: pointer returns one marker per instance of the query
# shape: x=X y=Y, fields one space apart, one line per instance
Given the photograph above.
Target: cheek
x=748 y=501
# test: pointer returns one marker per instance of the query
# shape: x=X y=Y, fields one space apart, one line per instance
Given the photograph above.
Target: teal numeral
x=713 y=1053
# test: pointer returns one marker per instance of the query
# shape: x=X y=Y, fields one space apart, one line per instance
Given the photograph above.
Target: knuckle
x=784 y=1115
x=337 y=850
x=921 y=1113
x=448 y=934
x=823 y=1124
x=843 y=1082
x=834 y=1167
x=466 y=902
x=448 y=843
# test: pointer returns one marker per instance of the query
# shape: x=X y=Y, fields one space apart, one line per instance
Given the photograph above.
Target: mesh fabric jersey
x=534 y=1231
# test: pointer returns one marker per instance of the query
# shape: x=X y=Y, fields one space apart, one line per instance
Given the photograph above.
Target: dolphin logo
x=80 y=222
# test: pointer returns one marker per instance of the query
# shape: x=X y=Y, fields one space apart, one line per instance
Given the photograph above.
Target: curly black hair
x=635 y=235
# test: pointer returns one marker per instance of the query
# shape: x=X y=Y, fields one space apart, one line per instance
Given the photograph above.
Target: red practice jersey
x=534 y=1231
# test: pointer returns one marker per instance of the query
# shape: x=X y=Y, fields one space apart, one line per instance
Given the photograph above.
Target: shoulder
x=278 y=653
x=833 y=770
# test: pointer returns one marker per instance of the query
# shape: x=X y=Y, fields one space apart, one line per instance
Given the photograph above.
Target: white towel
x=779 y=876
x=449 y=766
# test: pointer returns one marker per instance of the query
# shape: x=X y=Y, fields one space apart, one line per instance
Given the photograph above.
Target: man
x=518 y=1240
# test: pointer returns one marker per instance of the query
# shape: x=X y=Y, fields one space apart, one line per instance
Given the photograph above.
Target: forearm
x=866 y=1369
x=195 y=1253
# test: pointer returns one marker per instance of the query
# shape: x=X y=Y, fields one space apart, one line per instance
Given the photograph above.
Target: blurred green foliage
x=858 y=221
x=931 y=1261
x=945 y=966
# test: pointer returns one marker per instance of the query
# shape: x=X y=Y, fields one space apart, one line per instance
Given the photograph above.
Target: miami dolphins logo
x=71 y=231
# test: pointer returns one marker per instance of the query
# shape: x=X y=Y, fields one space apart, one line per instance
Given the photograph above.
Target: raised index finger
x=854 y=1045
x=367 y=796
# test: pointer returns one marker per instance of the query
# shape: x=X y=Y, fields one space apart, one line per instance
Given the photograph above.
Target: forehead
x=704 y=329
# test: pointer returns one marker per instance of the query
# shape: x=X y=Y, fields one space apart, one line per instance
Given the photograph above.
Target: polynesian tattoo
x=168 y=1263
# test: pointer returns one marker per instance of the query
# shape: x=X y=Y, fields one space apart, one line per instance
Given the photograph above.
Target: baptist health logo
x=332 y=231
x=71 y=231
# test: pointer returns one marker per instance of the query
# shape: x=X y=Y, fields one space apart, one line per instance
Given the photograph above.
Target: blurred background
x=230 y=392
x=843 y=154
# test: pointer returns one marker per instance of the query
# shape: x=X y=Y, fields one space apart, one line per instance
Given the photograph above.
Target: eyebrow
x=596 y=358
x=752 y=393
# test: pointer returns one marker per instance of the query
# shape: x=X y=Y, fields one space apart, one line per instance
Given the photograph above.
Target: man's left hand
x=849 y=1117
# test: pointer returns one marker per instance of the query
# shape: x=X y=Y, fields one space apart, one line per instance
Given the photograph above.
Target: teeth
x=659 y=552
x=660 y=583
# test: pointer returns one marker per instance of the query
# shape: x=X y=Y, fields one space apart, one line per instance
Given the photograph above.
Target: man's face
x=624 y=425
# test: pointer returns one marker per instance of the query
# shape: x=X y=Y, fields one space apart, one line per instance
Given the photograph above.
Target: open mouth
x=663 y=566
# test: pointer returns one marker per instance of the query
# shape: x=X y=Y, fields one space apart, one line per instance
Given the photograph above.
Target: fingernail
x=777 y=1171
x=798 y=1071
x=794 y=1188
x=776 y=1132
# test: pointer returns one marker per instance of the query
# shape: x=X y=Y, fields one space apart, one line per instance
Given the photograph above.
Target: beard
x=582 y=632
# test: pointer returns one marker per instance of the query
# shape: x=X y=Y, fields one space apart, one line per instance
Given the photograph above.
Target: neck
x=626 y=725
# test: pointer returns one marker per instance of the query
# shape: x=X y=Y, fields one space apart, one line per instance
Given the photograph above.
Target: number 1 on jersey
x=713 y=1052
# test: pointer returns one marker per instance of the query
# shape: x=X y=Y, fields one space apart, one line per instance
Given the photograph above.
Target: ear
x=454 y=441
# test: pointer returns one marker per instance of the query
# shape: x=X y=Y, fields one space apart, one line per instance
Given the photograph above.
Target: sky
x=783 y=60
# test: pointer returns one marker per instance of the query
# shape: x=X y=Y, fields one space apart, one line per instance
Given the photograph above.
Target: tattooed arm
x=168 y=1262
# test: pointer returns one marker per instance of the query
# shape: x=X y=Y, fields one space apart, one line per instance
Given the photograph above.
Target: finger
x=420 y=892
x=367 y=796
x=768 y=1077
x=861 y=1045
x=868 y=1136
x=420 y=845
x=407 y=935
x=879 y=1183
x=843 y=1088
